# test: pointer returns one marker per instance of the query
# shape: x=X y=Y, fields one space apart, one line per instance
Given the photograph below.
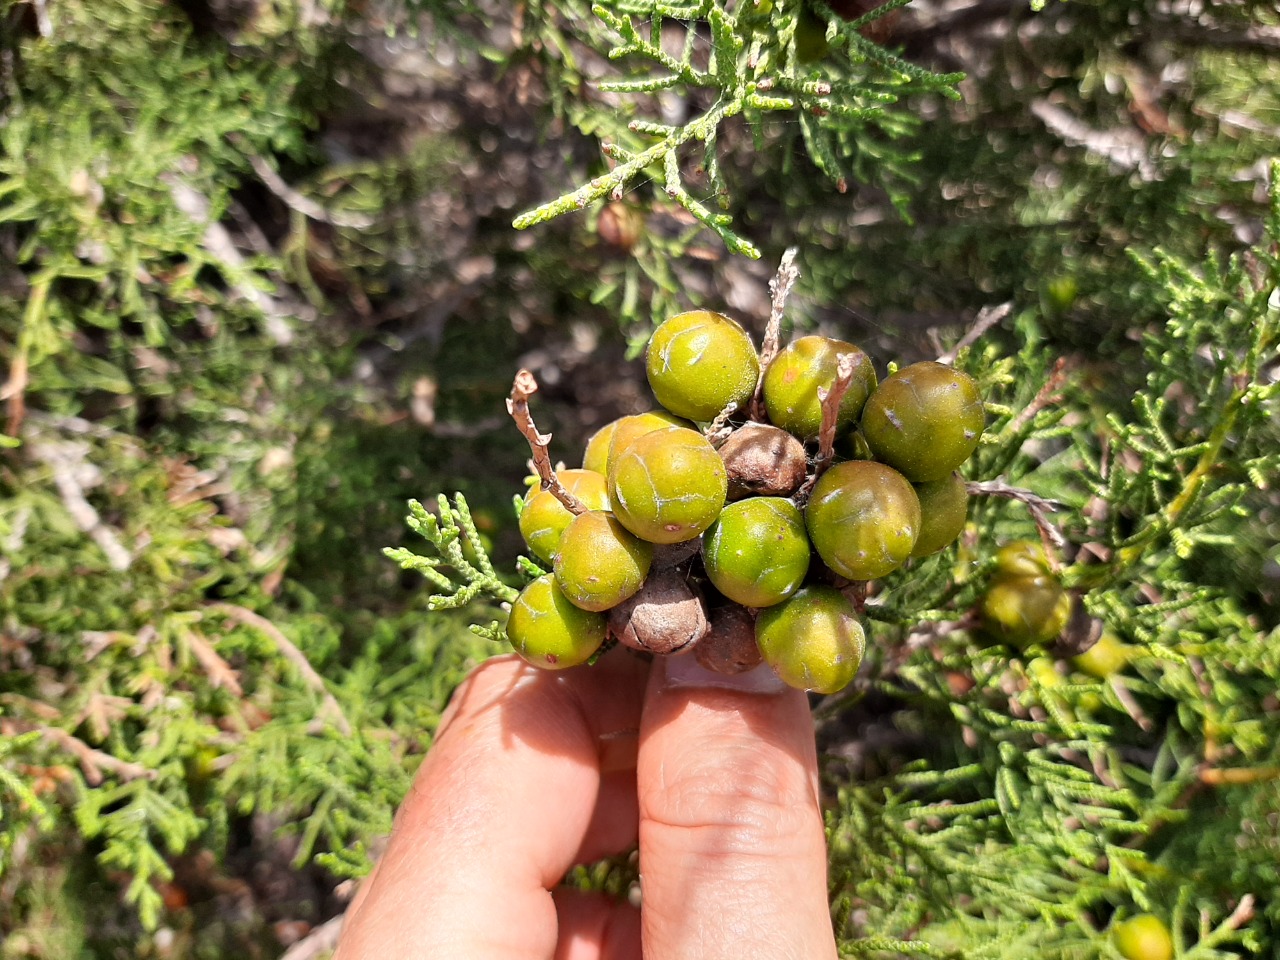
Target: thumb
x=732 y=852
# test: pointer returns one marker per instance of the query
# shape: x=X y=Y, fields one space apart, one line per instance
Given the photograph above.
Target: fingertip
x=732 y=845
x=595 y=926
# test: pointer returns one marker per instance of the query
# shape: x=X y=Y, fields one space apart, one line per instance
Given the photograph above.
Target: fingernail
x=685 y=672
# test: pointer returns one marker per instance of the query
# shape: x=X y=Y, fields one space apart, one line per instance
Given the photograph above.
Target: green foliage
x=205 y=438
x=1084 y=797
x=746 y=61
x=179 y=658
x=460 y=570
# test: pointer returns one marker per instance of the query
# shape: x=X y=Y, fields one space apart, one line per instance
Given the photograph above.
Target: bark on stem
x=831 y=398
x=522 y=389
x=1039 y=506
x=780 y=287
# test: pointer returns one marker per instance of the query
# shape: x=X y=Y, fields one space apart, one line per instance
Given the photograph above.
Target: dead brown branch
x=719 y=430
x=329 y=703
x=831 y=399
x=72 y=475
x=1039 y=506
x=1125 y=148
x=522 y=389
x=92 y=761
x=1046 y=395
x=987 y=318
x=780 y=287
x=292 y=199
x=218 y=670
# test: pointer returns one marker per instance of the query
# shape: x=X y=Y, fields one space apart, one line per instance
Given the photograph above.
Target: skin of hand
x=534 y=771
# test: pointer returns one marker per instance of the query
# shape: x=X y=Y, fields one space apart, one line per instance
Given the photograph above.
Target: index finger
x=502 y=807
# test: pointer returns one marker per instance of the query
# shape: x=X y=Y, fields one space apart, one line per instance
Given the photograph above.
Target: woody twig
x=1040 y=507
x=522 y=389
x=780 y=287
x=830 y=399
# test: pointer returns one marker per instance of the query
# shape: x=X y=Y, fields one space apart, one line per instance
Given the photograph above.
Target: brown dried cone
x=665 y=616
x=763 y=461
x=620 y=225
x=730 y=647
x=668 y=555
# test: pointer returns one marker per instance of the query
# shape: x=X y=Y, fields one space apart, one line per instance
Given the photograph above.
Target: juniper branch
x=287 y=649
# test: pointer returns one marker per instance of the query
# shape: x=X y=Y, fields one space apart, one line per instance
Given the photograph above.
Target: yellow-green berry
x=549 y=631
x=813 y=640
x=699 y=362
x=599 y=563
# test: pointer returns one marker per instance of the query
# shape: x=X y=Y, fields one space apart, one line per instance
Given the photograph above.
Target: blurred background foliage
x=261 y=286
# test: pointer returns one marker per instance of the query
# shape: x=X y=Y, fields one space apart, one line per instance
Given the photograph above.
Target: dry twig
x=522 y=389
x=72 y=474
x=1046 y=395
x=987 y=318
x=292 y=199
x=218 y=241
x=1125 y=148
x=718 y=430
x=1038 y=505
x=780 y=287
x=329 y=702
x=217 y=669
x=92 y=761
x=831 y=399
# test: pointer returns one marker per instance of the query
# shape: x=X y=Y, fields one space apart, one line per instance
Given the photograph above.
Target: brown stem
x=987 y=318
x=1237 y=776
x=329 y=703
x=1242 y=914
x=719 y=430
x=1130 y=703
x=831 y=399
x=92 y=761
x=780 y=287
x=1046 y=395
x=522 y=388
x=1039 y=507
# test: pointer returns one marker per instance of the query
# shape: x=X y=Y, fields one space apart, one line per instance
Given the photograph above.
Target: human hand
x=535 y=771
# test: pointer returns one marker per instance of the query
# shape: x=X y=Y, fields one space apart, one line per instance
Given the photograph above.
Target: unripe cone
x=596 y=455
x=763 y=461
x=1144 y=937
x=863 y=519
x=544 y=518
x=793 y=379
x=634 y=427
x=549 y=631
x=600 y=564
x=1020 y=611
x=924 y=421
x=944 y=507
x=1022 y=558
x=601 y=447
x=665 y=616
x=668 y=485
x=1109 y=655
x=699 y=362
x=756 y=553
x=730 y=646
x=813 y=641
